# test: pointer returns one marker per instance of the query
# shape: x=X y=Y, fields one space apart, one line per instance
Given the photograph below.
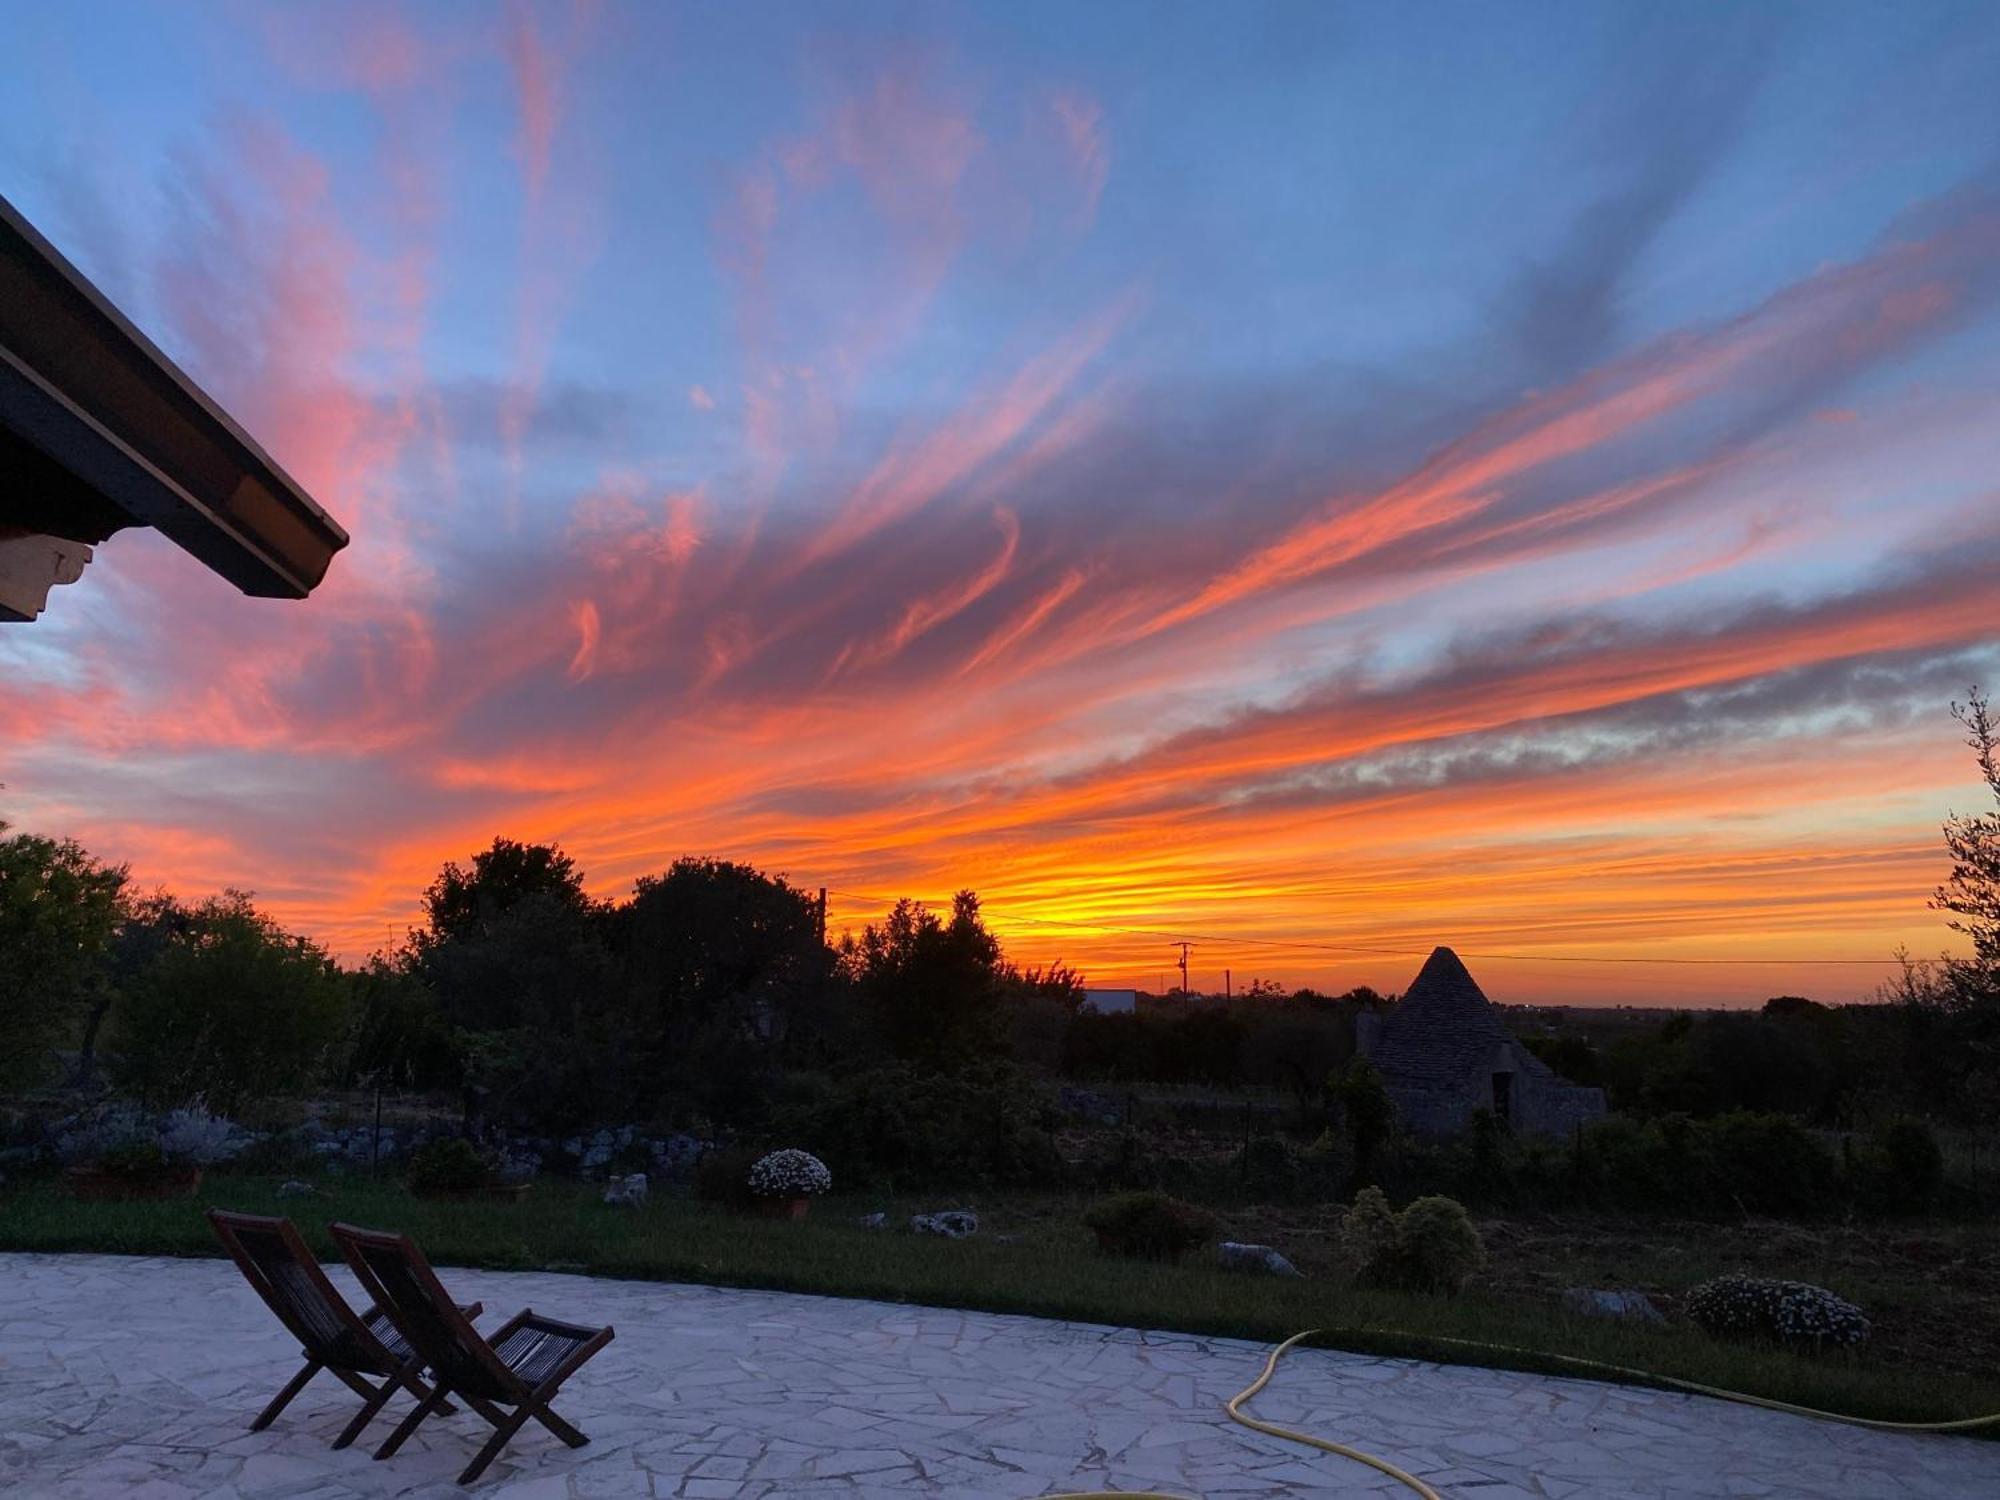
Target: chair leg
x=406 y=1377
x=409 y=1424
x=547 y=1417
x=284 y=1398
x=366 y=1415
x=509 y=1425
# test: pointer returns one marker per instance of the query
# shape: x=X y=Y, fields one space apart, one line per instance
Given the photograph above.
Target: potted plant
x=455 y=1169
x=785 y=1182
x=137 y=1169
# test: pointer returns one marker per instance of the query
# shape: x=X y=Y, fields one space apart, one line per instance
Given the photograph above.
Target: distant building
x=1111 y=1002
x=1443 y=1052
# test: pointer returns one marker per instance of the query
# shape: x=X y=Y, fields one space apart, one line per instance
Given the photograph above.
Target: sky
x=1324 y=479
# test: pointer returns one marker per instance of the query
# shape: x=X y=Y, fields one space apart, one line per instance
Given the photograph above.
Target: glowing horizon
x=1301 y=476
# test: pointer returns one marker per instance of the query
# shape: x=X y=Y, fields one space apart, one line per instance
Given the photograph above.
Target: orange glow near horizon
x=900 y=490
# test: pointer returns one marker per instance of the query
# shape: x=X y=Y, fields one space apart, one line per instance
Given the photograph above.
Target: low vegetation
x=1149 y=1226
x=1033 y=1256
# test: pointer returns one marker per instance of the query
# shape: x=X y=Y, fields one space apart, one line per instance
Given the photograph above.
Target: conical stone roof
x=1444 y=1031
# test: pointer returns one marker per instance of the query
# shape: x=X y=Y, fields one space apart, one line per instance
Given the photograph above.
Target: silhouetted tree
x=726 y=977
x=1972 y=892
x=531 y=994
x=59 y=908
x=401 y=1038
x=932 y=986
x=460 y=902
x=230 y=1008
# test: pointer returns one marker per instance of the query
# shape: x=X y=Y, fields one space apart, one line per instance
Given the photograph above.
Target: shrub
x=448 y=1165
x=790 y=1173
x=1131 y=1167
x=1901 y=1167
x=1772 y=1164
x=1149 y=1226
x=1438 y=1248
x=197 y=1136
x=1325 y=1165
x=723 y=1176
x=1366 y=1111
x=1431 y=1246
x=1790 y=1311
x=902 y=1127
x=1368 y=1229
x=1268 y=1169
x=134 y=1159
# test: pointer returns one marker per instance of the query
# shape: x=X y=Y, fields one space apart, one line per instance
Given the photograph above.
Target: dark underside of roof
x=99 y=431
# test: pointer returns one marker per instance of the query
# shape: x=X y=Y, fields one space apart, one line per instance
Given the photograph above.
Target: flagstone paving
x=136 y=1378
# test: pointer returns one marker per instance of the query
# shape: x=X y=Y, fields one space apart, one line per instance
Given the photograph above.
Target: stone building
x=1443 y=1052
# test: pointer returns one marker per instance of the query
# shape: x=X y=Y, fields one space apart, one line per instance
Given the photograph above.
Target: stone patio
x=136 y=1378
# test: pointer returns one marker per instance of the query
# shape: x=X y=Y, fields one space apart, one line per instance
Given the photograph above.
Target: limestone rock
x=1600 y=1302
x=627 y=1192
x=1259 y=1259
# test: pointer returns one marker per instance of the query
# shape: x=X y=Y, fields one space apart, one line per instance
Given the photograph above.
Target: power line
x=1295 y=944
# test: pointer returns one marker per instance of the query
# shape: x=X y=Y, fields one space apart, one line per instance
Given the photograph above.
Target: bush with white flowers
x=790 y=1173
x=1795 y=1311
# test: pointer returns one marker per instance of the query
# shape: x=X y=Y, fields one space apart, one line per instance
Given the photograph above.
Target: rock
x=296 y=1189
x=953 y=1223
x=1598 y=1302
x=627 y=1192
x=873 y=1221
x=1260 y=1259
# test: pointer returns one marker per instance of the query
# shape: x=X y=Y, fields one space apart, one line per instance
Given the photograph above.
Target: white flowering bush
x=790 y=1173
x=195 y=1135
x=1794 y=1311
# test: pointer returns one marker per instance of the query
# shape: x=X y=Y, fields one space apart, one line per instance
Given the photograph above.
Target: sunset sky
x=1361 y=476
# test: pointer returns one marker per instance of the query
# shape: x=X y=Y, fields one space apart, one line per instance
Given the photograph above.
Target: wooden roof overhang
x=99 y=431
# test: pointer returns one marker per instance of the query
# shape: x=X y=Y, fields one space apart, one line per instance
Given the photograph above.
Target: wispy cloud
x=859 y=478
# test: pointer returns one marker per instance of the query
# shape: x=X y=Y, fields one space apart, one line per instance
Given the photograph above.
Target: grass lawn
x=1031 y=1257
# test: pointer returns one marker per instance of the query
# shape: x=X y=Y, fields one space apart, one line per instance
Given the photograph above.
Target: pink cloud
x=1081 y=121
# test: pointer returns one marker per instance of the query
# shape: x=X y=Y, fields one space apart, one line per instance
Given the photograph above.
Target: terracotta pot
x=94 y=1185
x=783 y=1208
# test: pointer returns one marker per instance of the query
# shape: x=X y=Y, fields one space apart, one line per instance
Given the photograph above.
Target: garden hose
x=1962 y=1424
x=1234 y=1408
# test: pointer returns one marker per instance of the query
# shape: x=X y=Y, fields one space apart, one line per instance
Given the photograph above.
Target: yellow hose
x=1962 y=1424
x=1233 y=1406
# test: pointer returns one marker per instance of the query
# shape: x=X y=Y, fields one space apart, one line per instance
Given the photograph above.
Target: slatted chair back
x=395 y=1273
x=275 y=1259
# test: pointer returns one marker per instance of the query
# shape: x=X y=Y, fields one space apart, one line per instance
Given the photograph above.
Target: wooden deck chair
x=275 y=1259
x=522 y=1368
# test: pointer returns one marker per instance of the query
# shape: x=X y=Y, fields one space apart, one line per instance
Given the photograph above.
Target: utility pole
x=1228 y=990
x=1185 y=991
